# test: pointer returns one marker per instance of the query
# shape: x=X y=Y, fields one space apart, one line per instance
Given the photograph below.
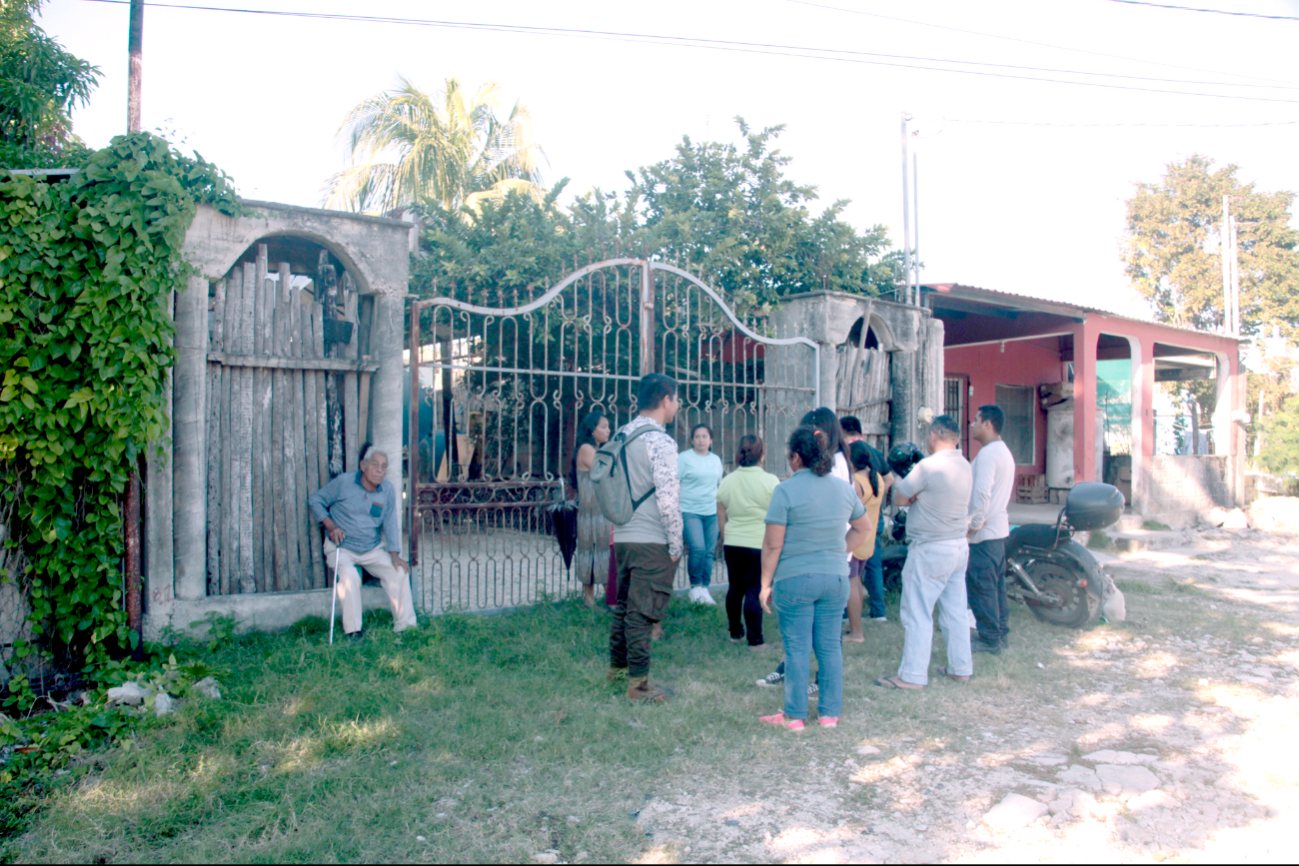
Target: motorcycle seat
x=1041 y=536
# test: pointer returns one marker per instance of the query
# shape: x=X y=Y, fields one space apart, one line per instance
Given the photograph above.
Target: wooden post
x=229 y=396
x=245 y=434
x=281 y=466
x=302 y=579
x=215 y=407
x=311 y=443
x=322 y=409
x=258 y=475
x=135 y=71
x=264 y=445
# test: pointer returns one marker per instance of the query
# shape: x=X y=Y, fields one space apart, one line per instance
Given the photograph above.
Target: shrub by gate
x=496 y=394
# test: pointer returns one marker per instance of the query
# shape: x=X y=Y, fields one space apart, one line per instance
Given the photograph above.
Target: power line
x=727 y=45
x=1029 y=41
x=1210 y=11
x=1108 y=125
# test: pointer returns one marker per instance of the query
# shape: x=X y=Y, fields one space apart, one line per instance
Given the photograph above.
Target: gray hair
x=944 y=427
x=371 y=452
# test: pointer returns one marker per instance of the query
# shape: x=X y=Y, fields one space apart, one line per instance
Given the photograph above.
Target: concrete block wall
x=1182 y=485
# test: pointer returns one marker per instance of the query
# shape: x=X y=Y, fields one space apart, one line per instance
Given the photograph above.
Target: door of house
x=956 y=399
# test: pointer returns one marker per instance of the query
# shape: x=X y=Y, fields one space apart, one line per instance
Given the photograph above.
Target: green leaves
x=85 y=347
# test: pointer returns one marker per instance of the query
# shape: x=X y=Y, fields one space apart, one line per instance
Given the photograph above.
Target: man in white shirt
x=985 y=575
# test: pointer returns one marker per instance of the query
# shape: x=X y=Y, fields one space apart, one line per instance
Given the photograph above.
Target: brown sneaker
x=614 y=673
x=639 y=689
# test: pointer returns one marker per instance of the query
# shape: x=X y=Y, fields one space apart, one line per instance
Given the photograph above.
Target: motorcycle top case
x=1092 y=505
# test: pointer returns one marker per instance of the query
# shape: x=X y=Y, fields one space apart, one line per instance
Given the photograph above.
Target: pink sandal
x=778 y=720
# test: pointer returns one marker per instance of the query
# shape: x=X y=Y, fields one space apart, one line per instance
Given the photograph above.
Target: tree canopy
x=1174 y=236
x=447 y=149
x=725 y=210
x=40 y=84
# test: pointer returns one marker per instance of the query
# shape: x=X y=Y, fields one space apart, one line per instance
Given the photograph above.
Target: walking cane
x=334 y=606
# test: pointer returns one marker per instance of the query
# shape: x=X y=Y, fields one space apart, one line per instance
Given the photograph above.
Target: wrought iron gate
x=496 y=394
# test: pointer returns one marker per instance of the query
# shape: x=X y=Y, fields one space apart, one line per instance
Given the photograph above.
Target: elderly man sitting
x=359 y=513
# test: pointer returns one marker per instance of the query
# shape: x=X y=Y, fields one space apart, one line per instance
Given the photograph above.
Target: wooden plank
x=351 y=407
x=258 y=477
x=263 y=445
x=214 y=408
x=311 y=440
x=282 y=492
x=245 y=433
x=229 y=486
x=363 y=404
x=277 y=363
x=303 y=575
x=322 y=410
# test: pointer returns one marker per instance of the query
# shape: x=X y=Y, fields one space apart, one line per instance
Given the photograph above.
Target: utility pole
x=1235 y=280
x=915 y=214
x=131 y=529
x=906 y=215
x=136 y=71
x=1225 y=251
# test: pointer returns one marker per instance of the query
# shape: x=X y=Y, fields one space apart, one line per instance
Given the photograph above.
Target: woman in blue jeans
x=700 y=471
x=805 y=570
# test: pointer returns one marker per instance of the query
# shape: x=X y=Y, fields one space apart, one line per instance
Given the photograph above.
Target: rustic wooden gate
x=492 y=425
x=863 y=385
x=288 y=378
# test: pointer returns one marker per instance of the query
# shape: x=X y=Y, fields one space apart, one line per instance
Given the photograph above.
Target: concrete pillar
x=189 y=442
x=931 y=363
x=905 y=397
x=827 y=375
x=1143 y=419
x=158 y=565
x=1085 y=335
x=1228 y=434
x=386 y=342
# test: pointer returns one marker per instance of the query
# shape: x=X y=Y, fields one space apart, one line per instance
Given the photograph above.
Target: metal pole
x=1224 y=247
x=906 y=216
x=412 y=439
x=135 y=72
x=915 y=215
x=1235 y=280
x=646 y=318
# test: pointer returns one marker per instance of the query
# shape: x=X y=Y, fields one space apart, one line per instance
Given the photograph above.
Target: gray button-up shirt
x=358 y=512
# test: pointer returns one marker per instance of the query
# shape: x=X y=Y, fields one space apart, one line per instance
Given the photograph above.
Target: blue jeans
x=872 y=577
x=811 y=613
x=701 y=545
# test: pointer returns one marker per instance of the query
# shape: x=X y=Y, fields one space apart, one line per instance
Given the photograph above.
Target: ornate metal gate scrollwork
x=496 y=394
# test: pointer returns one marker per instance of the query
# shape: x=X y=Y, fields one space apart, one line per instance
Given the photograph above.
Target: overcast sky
x=1027 y=199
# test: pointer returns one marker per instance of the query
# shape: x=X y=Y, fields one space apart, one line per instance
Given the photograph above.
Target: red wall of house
x=1022 y=362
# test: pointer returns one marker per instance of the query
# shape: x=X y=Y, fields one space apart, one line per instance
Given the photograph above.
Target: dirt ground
x=1172 y=736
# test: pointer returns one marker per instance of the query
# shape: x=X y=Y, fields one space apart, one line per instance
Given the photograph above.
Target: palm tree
x=444 y=148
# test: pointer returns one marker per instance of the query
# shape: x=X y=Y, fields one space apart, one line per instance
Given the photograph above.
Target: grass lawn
x=494 y=738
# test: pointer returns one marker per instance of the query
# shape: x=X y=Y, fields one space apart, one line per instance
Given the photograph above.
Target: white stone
x=163 y=704
x=1126 y=779
x=1081 y=777
x=1151 y=800
x=1013 y=812
x=1108 y=756
x=545 y=857
x=208 y=688
x=867 y=750
x=127 y=693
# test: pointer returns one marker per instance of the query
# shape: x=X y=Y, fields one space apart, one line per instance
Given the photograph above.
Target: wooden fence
x=288 y=399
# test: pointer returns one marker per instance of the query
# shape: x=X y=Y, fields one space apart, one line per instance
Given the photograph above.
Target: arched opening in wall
x=288 y=378
x=862 y=388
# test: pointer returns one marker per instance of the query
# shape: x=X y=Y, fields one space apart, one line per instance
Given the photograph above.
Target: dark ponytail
x=805 y=443
x=862 y=462
x=750 y=451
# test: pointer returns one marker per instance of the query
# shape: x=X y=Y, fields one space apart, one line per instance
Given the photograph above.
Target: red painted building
x=1010 y=349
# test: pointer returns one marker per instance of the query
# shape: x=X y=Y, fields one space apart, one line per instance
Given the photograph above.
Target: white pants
x=347 y=583
x=935 y=574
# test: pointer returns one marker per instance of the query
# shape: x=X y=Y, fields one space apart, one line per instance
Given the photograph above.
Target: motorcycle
x=1046 y=569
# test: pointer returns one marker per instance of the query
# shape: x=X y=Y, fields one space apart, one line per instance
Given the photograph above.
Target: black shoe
x=355 y=636
x=979 y=646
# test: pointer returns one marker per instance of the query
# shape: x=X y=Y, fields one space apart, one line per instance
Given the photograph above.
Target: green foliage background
x=87 y=267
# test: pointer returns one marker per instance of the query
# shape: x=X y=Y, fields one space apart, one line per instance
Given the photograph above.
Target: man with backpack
x=636 y=483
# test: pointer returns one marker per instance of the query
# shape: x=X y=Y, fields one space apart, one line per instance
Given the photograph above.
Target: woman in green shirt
x=742 y=502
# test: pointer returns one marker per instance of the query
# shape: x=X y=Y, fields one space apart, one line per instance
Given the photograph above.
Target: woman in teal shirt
x=742 y=502
x=805 y=568
x=701 y=471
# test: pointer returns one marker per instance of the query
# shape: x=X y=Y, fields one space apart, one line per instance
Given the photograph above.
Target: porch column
x=1228 y=439
x=189 y=443
x=1085 y=335
x=1143 y=419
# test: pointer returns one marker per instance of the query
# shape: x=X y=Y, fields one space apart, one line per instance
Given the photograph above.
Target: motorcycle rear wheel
x=1078 y=607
